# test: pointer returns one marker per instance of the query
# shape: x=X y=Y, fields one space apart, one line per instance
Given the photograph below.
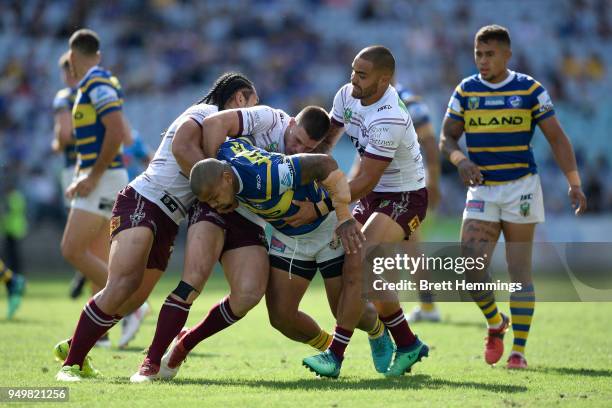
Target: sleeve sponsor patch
x=102 y=95
x=545 y=102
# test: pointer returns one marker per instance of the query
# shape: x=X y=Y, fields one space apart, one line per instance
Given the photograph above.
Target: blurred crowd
x=166 y=53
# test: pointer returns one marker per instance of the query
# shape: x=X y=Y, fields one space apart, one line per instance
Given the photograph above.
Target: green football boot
x=382 y=351
x=325 y=364
x=60 y=351
x=406 y=357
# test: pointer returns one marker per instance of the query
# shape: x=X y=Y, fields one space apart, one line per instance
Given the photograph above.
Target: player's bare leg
x=100 y=248
x=519 y=245
x=283 y=297
x=128 y=257
x=478 y=239
x=82 y=229
x=246 y=270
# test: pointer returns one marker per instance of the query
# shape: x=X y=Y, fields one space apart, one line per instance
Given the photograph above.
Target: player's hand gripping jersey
x=163 y=182
x=268 y=184
x=499 y=120
x=383 y=131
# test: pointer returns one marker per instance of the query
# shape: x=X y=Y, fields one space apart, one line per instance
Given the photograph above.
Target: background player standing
x=498 y=110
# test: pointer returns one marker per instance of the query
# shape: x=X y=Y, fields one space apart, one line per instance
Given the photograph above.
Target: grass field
x=250 y=364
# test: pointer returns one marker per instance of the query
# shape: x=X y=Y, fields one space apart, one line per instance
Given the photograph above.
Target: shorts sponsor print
x=407 y=208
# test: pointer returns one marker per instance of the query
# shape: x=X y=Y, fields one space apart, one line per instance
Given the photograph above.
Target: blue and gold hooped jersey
x=64 y=100
x=268 y=184
x=499 y=120
x=99 y=94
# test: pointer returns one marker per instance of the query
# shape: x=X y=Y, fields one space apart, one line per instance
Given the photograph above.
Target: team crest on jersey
x=515 y=101
x=473 y=102
x=272 y=147
x=524 y=208
x=348 y=114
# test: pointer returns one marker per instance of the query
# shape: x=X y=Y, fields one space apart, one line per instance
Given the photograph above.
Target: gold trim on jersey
x=497 y=120
x=83 y=114
x=519 y=148
x=505 y=166
x=87 y=140
x=499 y=183
x=529 y=91
x=279 y=209
x=88 y=156
x=454 y=112
x=96 y=80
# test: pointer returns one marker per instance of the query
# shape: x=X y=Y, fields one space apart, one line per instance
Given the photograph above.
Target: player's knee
x=280 y=318
x=70 y=252
x=244 y=301
x=124 y=286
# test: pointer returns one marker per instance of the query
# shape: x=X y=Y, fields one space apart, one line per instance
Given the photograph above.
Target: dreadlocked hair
x=225 y=86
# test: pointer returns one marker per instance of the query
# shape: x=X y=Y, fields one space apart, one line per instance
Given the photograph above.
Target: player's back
x=268 y=184
x=163 y=182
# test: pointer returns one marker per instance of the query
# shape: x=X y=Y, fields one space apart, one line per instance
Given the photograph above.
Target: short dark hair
x=225 y=87
x=380 y=56
x=493 y=32
x=315 y=121
x=85 y=41
x=64 y=62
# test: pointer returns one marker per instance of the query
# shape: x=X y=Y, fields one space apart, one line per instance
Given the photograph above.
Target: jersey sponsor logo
x=495 y=101
x=473 y=102
x=382 y=108
x=102 y=94
x=169 y=203
x=515 y=101
x=526 y=196
x=258 y=180
x=381 y=142
x=414 y=223
x=348 y=114
x=545 y=102
x=277 y=245
x=475 y=206
x=496 y=121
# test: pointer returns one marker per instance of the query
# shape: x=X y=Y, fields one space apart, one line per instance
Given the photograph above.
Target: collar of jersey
x=239 y=180
x=511 y=76
x=87 y=75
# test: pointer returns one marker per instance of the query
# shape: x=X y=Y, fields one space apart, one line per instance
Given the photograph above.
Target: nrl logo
x=348 y=114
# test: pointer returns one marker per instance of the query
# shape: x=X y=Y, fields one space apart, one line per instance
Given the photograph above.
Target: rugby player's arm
x=113 y=137
x=427 y=140
x=369 y=174
x=187 y=145
x=331 y=138
x=62 y=129
x=324 y=169
x=566 y=160
x=452 y=130
x=217 y=127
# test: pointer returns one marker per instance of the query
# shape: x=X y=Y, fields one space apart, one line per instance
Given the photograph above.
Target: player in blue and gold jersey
x=498 y=110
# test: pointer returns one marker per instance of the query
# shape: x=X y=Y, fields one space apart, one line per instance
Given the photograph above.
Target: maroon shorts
x=407 y=208
x=239 y=232
x=133 y=210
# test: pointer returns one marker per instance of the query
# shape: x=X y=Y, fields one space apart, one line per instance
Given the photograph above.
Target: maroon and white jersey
x=163 y=182
x=264 y=127
x=383 y=131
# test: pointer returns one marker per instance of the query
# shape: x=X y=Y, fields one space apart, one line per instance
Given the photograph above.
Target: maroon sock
x=92 y=324
x=398 y=326
x=218 y=318
x=341 y=340
x=171 y=320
